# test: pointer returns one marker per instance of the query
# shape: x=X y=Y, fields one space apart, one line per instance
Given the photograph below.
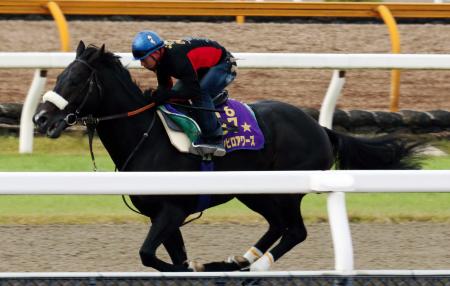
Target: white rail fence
x=339 y=62
x=336 y=183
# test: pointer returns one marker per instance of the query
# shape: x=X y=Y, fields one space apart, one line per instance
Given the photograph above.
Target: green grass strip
x=70 y=153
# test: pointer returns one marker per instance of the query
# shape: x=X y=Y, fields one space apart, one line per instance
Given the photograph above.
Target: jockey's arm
x=186 y=88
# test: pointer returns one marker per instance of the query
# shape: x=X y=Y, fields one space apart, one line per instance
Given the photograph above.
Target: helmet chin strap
x=156 y=63
x=161 y=53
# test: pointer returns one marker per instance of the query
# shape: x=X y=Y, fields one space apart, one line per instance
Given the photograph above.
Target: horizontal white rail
x=48 y=60
x=220 y=274
x=185 y=183
x=43 y=60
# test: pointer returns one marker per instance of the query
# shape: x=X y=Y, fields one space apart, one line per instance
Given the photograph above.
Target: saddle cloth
x=240 y=128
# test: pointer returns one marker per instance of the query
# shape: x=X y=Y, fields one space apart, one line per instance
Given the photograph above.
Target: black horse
x=96 y=84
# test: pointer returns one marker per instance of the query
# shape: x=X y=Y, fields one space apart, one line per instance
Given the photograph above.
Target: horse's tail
x=390 y=152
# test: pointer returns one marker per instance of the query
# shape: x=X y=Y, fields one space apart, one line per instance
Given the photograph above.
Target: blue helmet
x=145 y=43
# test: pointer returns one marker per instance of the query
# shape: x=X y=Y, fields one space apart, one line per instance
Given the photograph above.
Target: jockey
x=202 y=67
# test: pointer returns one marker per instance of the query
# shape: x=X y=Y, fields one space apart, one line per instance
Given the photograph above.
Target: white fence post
x=337 y=212
x=331 y=97
x=28 y=109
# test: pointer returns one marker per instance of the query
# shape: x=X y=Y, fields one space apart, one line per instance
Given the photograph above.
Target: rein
x=72 y=118
x=91 y=124
x=95 y=120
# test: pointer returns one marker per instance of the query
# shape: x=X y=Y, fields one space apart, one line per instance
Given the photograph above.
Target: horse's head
x=77 y=93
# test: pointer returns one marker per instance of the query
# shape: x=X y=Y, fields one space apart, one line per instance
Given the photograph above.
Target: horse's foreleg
x=164 y=225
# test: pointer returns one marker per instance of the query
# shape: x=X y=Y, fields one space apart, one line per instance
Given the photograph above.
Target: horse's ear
x=80 y=49
x=101 y=51
x=98 y=54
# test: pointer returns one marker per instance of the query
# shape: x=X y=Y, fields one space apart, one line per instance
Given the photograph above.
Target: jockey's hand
x=158 y=97
x=147 y=94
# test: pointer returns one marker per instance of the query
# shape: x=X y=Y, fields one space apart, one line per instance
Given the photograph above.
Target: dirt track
x=115 y=247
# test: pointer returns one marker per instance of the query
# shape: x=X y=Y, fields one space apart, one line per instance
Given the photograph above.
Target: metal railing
x=316 y=278
x=226 y=8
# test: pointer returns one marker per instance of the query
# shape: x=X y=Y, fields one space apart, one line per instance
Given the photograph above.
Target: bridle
x=90 y=121
x=74 y=118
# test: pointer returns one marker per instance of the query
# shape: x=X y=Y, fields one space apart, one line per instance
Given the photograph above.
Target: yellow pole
x=62 y=25
x=240 y=19
x=395 y=47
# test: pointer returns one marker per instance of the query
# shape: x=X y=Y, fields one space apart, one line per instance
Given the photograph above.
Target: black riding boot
x=211 y=139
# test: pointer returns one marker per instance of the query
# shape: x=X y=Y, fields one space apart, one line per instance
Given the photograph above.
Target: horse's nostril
x=40 y=119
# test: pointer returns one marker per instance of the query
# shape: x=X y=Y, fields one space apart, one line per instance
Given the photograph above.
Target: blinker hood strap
x=56 y=99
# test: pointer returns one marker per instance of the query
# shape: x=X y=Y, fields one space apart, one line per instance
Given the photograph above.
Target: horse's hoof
x=240 y=261
x=263 y=264
x=196 y=266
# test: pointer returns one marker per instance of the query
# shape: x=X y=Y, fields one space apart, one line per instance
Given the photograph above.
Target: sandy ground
x=115 y=247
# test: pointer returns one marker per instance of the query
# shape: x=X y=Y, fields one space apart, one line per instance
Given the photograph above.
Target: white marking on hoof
x=263 y=264
x=253 y=254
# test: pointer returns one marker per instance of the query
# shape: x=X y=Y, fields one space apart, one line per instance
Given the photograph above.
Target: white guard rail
x=38 y=60
x=41 y=61
x=184 y=183
x=233 y=182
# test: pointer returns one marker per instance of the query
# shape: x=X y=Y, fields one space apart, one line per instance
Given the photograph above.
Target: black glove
x=147 y=94
x=159 y=97
x=155 y=95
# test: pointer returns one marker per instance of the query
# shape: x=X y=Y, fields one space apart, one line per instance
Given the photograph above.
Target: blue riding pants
x=211 y=84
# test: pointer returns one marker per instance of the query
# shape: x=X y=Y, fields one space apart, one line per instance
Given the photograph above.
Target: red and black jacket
x=187 y=60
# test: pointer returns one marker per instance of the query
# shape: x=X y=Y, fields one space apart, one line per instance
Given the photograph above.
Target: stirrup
x=220 y=98
x=203 y=149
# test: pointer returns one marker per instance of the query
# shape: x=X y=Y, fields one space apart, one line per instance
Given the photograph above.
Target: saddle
x=240 y=127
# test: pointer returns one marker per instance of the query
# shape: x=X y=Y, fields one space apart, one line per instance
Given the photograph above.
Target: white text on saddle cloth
x=244 y=132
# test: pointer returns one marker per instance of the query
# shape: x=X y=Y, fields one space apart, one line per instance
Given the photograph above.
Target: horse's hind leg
x=294 y=233
x=164 y=225
x=267 y=206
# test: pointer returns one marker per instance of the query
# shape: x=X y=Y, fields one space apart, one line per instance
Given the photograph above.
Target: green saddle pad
x=183 y=122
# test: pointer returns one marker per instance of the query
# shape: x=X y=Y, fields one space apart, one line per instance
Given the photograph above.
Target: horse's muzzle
x=52 y=126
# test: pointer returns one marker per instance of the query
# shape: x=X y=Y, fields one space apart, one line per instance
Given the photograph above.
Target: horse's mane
x=113 y=62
